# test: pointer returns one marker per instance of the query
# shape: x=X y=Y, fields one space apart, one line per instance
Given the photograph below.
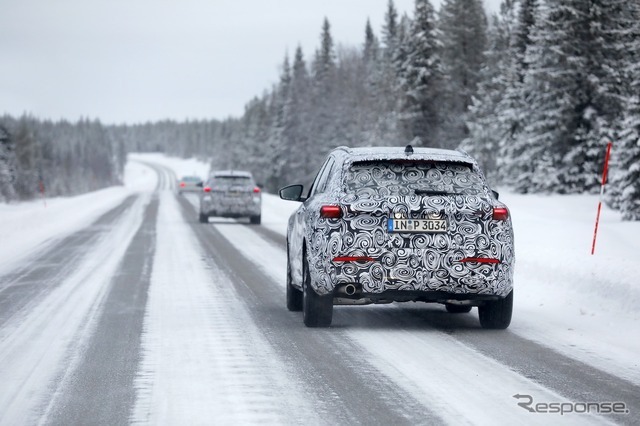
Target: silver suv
x=231 y=193
x=380 y=225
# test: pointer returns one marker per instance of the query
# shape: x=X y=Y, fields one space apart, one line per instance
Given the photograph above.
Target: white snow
x=26 y=228
x=204 y=359
x=180 y=166
x=34 y=346
x=582 y=306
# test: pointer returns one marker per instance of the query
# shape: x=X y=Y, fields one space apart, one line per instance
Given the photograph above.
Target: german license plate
x=417 y=225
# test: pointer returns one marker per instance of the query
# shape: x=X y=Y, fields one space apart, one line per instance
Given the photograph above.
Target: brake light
x=500 y=213
x=479 y=260
x=331 y=212
x=182 y=185
x=207 y=189
x=353 y=259
x=256 y=190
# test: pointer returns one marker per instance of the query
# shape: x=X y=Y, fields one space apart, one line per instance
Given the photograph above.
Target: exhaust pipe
x=347 y=289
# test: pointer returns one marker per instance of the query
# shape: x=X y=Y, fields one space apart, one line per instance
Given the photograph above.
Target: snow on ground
x=181 y=166
x=580 y=305
x=583 y=306
x=28 y=227
x=34 y=347
x=197 y=366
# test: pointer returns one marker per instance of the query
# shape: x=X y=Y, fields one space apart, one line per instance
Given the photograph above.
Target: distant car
x=390 y=224
x=231 y=193
x=189 y=184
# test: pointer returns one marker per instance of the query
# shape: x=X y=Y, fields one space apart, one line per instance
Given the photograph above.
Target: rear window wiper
x=431 y=192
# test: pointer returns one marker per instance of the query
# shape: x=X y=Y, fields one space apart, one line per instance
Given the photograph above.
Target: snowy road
x=147 y=316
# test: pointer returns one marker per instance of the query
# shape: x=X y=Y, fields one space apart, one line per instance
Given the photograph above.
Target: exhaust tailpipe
x=350 y=289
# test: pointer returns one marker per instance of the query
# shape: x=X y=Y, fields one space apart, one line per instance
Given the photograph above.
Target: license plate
x=417 y=225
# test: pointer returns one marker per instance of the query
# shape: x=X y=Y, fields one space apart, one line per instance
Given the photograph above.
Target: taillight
x=182 y=185
x=331 y=212
x=500 y=213
x=207 y=189
x=256 y=190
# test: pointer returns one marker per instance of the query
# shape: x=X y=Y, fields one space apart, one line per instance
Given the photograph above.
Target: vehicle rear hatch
x=233 y=189
x=414 y=205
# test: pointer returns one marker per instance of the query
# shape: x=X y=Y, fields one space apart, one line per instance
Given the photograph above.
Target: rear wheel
x=457 y=309
x=317 y=310
x=203 y=218
x=255 y=220
x=294 y=296
x=497 y=313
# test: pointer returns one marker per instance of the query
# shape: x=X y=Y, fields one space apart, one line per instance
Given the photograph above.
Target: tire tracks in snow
x=336 y=380
x=523 y=366
x=100 y=387
x=36 y=352
x=203 y=360
x=43 y=271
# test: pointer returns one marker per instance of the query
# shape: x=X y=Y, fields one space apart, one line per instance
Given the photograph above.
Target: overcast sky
x=139 y=60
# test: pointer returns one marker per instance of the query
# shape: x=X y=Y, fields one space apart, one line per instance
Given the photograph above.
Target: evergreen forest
x=534 y=93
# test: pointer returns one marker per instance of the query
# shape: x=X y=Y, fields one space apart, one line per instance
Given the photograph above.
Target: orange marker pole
x=604 y=180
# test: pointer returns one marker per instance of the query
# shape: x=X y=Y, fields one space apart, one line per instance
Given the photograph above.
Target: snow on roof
x=239 y=173
x=381 y=153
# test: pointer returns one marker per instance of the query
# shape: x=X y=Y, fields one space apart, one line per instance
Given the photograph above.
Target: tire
x=203 y=218
x=294 y=296
x=317 y=310
x=255 y=220
x=457 y=309
x=496 y=315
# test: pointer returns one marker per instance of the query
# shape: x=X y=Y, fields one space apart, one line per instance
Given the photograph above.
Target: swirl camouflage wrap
x=425 y=222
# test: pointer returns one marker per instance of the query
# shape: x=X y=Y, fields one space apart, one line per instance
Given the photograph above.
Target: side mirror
x=292 y=193
x=199 y=184
x=495 y=194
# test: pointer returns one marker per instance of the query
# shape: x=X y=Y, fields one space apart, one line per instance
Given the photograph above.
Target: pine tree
x=510 y=112
x=569 y=101
x=279 y=138
x=421 y=78
x=463 y=32
x=625 y=174
x=390 y=29
x=7 y=165
x=486 y=130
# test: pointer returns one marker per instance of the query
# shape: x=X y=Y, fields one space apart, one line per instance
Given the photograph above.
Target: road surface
x=148 y=316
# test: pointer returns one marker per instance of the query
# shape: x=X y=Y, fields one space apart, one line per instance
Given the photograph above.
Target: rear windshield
x=384 y=178
x=191 y=179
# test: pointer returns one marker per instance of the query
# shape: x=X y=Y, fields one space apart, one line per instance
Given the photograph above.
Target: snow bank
x=28 y=227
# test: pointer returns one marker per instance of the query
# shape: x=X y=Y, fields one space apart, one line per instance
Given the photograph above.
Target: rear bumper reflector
x=479 y=260
x=353 y=259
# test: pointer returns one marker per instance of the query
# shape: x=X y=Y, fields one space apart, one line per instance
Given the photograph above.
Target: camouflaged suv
x=382 y=225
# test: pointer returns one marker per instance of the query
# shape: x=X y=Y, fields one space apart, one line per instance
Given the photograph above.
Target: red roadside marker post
x=604 y=180
x=41 y=186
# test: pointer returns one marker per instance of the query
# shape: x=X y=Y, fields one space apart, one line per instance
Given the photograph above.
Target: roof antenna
x=408 y=150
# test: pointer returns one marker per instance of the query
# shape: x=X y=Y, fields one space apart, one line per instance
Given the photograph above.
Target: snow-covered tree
x=463 y=34
x=7 y=166
x=624 y=187
x=421 y=77
x=568 y=99
x=486 y=130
